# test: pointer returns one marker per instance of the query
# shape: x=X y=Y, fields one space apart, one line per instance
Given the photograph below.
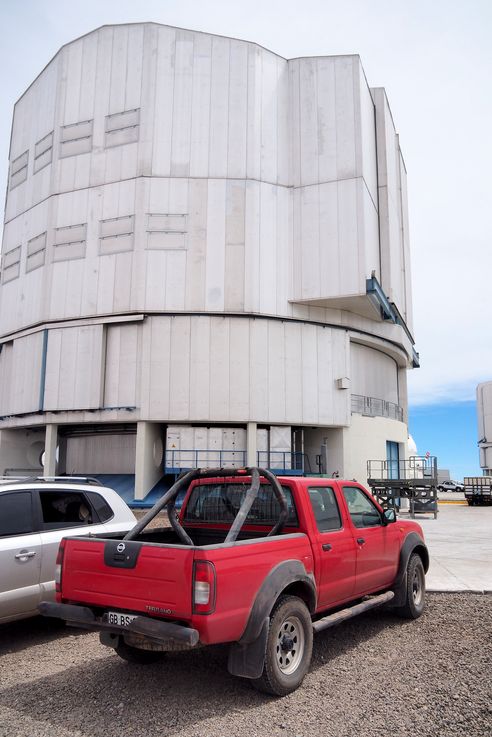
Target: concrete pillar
x=148 y=458
x=50 y=445
x=251 y=455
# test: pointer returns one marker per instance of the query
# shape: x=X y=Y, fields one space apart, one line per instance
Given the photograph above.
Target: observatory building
x=484 y=414
x=205 y=261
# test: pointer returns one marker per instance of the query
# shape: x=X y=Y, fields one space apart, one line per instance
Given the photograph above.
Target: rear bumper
x=166 y=634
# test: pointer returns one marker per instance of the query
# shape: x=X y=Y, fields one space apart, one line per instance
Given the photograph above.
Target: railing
x=415 y=468
x=178 y=460
x=274 y=459
x=209 y=458
x=374 y=407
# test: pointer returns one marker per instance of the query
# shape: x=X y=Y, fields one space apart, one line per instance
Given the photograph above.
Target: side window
x=16 y=513
x=325 y=508
x=362 y=510
x=62 y=509
x=102 y=508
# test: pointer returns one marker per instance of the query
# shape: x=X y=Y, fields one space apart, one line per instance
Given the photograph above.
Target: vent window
x=36 y=251
x=70 y=242
x=11 y=264
x=122 y=128
x=43 y=152
x=76 y=138
x=18 y=170
x=116 y=235
x=167 y=232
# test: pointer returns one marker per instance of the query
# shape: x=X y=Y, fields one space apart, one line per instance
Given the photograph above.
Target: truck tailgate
x=155 y=579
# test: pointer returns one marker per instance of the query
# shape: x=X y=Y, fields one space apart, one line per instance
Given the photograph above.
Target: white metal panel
x=163 y=103
x=269 y=130
x=308 y=121
x=327 y=120
x=215 y=264
x=201 y=369
x=179 y=376
x=373 y=374
x=93 y=454
x=200 y=105
x=239 y=360
x=219 y=107
x=254 y=112
x=182 y=101
x=238 y=110
x=276 y=370
x=345 y=116
x=197 y=245
x=293 y=372
x=234 y=250
x=74 y=368
x=26 y=373
x=220 y=370
x=121 y=366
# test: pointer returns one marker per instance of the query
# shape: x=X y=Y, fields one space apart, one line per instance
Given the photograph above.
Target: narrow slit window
x=36 y=252
x=18 y=170
x=76 y=138
x=69 y=242
x=43 y=152
x=122 y=128
x=11 y=264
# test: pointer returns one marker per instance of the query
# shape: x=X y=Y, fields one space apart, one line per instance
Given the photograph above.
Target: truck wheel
x=415 y=593
x=136 y=656
x=289 y=647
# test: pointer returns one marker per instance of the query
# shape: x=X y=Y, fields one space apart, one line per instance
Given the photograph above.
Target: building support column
x=148 y=458
x=251 y=446
x=50 y=446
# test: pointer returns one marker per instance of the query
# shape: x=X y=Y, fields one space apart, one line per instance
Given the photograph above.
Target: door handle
x=24 y=554
x=326 y=547
x=360 y=540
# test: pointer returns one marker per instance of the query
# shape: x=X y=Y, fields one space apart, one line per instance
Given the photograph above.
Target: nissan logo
x=120 y=547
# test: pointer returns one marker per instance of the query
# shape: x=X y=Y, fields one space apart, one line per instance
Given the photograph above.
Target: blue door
x=393 y=459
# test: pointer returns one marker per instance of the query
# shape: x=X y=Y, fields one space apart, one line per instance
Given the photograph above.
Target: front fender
x=413 y=543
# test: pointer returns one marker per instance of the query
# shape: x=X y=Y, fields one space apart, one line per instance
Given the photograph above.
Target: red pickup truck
x=253 y=560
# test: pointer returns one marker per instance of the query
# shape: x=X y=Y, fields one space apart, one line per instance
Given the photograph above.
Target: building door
x=393 y=459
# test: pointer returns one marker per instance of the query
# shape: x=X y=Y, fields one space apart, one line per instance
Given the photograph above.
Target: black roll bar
x=169 y=498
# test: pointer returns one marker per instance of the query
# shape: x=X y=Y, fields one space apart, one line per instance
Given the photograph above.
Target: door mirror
x=389 y=516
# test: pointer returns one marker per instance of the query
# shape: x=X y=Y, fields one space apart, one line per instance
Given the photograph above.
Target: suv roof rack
x=51 y=480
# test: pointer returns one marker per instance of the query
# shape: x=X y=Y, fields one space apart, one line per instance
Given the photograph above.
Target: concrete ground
x=460 y=546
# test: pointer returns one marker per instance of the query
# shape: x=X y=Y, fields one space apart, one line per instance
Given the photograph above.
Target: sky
x=435 y=61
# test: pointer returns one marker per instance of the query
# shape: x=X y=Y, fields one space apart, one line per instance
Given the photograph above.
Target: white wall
x=366 y=439
x=373 y=373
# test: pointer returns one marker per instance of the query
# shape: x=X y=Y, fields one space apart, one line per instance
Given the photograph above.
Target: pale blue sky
x=435 y=60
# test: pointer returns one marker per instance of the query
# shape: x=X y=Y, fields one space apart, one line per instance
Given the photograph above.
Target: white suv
x=35 y=513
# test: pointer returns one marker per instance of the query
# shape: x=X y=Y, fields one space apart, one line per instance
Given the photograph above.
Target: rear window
x=103 y=510
x=221 y=503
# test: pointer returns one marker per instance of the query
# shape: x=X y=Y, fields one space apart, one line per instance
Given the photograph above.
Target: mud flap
x=247 y=660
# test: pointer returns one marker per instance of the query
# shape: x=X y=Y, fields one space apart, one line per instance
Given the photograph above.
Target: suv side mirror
x=389 y=516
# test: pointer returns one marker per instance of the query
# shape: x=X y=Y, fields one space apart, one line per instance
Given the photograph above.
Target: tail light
x=204 y=589
x=58 y=570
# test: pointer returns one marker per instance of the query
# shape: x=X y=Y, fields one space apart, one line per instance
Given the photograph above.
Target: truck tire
x=289 y=647
x=415 y=594
x=136 y=656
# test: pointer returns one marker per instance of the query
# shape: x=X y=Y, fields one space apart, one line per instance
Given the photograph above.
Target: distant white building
x=484 y=414
x=205 y=261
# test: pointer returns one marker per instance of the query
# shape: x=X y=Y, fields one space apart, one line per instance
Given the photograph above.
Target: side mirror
x=389 y=516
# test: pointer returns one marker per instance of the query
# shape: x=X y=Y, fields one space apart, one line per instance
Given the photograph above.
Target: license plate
x=121 y=620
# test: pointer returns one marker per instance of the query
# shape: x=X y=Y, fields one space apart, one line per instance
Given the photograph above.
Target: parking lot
x=375 y=675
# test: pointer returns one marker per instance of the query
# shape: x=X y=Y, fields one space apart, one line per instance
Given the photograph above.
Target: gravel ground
x=375 y=675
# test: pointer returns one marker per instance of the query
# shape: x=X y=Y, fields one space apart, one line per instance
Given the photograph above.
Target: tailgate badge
x=120 y=547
